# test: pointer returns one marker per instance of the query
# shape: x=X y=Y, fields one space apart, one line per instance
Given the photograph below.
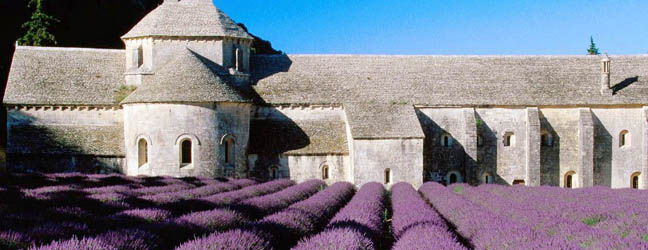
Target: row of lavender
x=137 y=207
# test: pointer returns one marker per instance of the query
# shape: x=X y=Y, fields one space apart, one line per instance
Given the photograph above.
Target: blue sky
x=445 y=27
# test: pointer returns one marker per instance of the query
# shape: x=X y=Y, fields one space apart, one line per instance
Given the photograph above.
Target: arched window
x=569 y=179
x=452 y=179
x=634 y=180
x=624 y=138
x=230 y=152
x=185 y=152
x=142 y=152
x=547 y=139
x=387 y=176
x=488 y=179
x=446 y=140
x=274 y=172
x=325 y=172
x=509 y=139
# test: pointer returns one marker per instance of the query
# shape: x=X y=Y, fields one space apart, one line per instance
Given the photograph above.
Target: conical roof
x=193 y=18
x=187 y=78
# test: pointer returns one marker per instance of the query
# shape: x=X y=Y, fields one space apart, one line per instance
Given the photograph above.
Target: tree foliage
x=593 y=50
x=37 y=28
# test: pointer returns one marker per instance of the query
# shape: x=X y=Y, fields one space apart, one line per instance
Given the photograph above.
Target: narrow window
x=569 y=179
x=487 y=179
x=142 y=152
x=446 y=140
x=325 y=172
x=387 y=176
x=274 y=172
x=546 y=139
x=229 y=151
x=509 y=139
x=185 y=152
x=480 y=141
x=452 y=179
x=140 y=56
x=634 y=180
x=624 y=138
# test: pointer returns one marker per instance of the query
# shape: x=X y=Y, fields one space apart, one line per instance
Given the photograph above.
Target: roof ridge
x=449 y=56
x=22 y=47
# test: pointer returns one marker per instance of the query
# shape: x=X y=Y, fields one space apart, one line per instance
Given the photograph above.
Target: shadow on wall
x=441 y=155
x=487 y=152
x=602 y=154
x=272 y=137
x=549 y=154
x=52 y=149
x=623 y=84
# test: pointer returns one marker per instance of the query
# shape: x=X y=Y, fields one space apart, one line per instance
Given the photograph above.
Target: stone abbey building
x=188 y=97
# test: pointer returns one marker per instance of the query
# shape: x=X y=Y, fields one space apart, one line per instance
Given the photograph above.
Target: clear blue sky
x=445 y=27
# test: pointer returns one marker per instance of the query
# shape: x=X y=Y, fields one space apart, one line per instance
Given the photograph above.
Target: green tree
x=37 y=33
x=593 y=50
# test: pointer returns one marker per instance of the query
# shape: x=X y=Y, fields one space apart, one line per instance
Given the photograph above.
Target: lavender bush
x=211 y=220
x=361 y=219
x=257 y=207
x=236 y=239
x=415 y=224
x=77 y=244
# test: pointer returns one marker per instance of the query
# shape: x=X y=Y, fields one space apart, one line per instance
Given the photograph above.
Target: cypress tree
x=37 y=33
x=593 y=50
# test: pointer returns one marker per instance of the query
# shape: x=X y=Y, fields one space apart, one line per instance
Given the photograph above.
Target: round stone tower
x=190 y=112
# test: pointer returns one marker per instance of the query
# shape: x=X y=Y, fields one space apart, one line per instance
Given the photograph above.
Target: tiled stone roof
x=187 y=77
x=448 y=80
x=48 y=76
x=298 y=137
x=64 y=139
x=195 y=18
x=382 y=121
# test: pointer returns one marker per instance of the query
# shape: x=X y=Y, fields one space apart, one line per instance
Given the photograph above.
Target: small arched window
x=452 y=179
x=446 y=140
x=634 y=180
x=274 y=172
x=547 y=139
x=509 y=139
x=185 y=152
x=624 y=138
x=230 y=152
x=387 y=176
x=488 y=179
x=142 y=152
x=325 y=172
x=569 y=179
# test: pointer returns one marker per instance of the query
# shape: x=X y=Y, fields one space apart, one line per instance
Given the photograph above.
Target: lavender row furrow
x=356 y=226
x=415 y=224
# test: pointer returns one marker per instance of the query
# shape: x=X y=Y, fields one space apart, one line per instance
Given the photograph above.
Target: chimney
x=605 y=76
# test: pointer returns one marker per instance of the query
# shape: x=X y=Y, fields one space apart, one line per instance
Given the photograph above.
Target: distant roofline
x=125 y=37
x=23 y=47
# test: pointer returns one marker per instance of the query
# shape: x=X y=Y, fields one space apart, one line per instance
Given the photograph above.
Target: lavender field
x=74 y=211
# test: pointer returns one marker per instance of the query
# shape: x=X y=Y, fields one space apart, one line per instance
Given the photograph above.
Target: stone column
x=470 y=145
x=585 y=148
x=533 y=142
x=643 y=178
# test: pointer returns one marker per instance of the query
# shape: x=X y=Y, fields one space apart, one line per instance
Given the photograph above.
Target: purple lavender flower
x=337 y=238
x=147 y=215
x=129 y=239
x=76 y=244
x=259 y=206
x=211 y=220
x=230 y=240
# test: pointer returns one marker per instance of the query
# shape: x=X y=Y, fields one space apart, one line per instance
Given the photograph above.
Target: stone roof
x=187 y=18
x=448 y=80
x=187 y=77
x=66 y=139
x=382 y=121
x=62 y=76
x=297 y=137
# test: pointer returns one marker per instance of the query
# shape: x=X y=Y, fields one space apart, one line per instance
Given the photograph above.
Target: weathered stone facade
x=204 y=106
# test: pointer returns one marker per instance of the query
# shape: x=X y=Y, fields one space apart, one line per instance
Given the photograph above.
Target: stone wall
x=305 y=167
x=403 y=157
x=505 y=163
x=561 y=156
x=165 y=126
x=614 y=164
